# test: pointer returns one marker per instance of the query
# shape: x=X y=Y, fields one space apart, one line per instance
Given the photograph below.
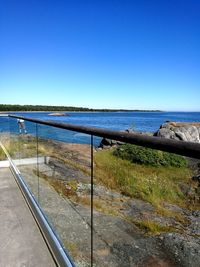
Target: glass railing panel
x=23 y=150
x=146 y=206
x=4 y=134
x=65 y=188
x=14 y=139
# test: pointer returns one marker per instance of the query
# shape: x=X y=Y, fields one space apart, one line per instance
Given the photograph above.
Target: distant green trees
x=8 y=107
x=4 y=107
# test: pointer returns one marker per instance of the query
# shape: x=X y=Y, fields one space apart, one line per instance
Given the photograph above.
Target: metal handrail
x=183 y=148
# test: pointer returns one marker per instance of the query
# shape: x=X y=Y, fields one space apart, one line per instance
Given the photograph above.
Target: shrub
x=148 y=156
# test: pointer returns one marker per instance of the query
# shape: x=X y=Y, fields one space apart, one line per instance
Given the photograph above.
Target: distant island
x=8 y=107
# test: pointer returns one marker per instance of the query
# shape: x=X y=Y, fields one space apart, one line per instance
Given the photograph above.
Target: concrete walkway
x=21 y=243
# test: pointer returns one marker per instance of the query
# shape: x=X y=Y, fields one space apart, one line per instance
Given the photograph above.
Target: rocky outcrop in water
x=180 y=131
x=58 y=114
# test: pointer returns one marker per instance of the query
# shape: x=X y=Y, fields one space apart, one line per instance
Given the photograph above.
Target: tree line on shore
x=8 y=107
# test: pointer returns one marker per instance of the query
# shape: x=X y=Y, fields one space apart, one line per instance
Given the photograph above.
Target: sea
x=137 y=121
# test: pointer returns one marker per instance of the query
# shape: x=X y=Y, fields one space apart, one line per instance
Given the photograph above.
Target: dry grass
x=72 y=248
x=172 y=214
x=152 y=228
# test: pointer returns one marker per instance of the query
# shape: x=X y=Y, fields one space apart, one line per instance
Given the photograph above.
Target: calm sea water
x=139 y=121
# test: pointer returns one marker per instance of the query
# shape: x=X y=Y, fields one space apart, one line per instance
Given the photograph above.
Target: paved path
x=21 y=243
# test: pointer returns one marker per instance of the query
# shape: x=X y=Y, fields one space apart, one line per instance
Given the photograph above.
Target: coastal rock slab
x=185 y=249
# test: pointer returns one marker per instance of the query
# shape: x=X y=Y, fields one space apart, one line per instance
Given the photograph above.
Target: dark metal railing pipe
x=188 y=149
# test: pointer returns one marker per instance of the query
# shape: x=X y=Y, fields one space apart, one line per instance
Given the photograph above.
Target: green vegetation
x=8 y=107
x=153 y=184
x=148 y=156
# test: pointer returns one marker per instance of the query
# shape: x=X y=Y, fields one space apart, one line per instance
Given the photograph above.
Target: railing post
x=92 y=196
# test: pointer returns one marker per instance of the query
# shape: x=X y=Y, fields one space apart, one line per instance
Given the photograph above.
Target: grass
x=153 y=184
x=164 y=212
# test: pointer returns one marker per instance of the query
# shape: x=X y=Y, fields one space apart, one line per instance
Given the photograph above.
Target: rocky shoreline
x=182 y=131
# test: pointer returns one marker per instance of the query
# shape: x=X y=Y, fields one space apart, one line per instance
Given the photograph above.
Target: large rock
x=184 y=249
x=180 y=131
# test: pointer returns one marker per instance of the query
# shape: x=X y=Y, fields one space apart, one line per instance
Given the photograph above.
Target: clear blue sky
x=134 y=54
